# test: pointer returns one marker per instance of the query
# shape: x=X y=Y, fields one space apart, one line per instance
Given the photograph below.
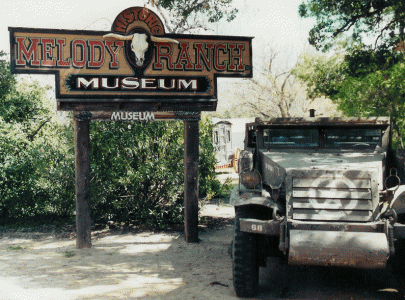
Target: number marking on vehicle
x=258 y=228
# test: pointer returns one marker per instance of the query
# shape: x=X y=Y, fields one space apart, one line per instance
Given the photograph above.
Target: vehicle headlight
x=251 y=180
x=245 y=161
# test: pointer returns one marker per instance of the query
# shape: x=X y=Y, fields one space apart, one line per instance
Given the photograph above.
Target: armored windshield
x=291 y=137
x=352 y=138
x=330 y=138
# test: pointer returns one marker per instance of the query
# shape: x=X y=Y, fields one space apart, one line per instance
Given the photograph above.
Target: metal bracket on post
x=83 y=116
x=188 y=115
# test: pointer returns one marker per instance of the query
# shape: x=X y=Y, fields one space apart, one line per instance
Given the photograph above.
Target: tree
x=364 y=74
x=380 y=23
x=323 y=74
x=7 y=80
x=359 y=91
x=275 y=91
x=36 y=159
x=182 y=16
x=378 y=93
x=274 y=95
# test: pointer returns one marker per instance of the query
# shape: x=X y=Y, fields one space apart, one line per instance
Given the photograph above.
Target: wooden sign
x=134 y=67
x=139 y=116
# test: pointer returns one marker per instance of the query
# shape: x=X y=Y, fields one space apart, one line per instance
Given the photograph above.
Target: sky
x=263 y=19
x=273 y=22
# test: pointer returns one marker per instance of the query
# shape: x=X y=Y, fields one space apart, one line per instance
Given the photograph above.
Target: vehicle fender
x=398 y=201
x=242 y=198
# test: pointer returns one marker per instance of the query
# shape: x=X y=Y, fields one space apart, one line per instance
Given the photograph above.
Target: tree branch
x=164 y=18
x=381 y=32
x=193 y=7
x=31 y=136
x=350 y=22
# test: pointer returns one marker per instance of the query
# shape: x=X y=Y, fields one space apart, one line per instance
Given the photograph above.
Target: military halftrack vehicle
x=317 y=191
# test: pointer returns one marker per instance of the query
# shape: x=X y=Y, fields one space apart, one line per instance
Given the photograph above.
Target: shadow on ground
x=148 y=265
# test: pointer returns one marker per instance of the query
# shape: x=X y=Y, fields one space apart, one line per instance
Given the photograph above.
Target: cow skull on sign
x=139 y=44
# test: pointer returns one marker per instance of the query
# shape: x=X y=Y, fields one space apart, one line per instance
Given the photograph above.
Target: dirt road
x=150 y=265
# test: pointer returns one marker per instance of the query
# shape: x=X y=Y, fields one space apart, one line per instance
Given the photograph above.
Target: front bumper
x=356 y=245
x=366 y=250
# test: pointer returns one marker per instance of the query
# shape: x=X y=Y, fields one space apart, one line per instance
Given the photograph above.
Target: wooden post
x=82 y=166
x=191 y=155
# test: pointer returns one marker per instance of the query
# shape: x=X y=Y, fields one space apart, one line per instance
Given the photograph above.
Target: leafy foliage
x=364 y=75
x=377 y=94
x=36 y=161
x=7 y=80
x=362 y=84
x=137 y=171
x=379 y=20
x=137 y=168
x=188 y=16
x=323 y=75
x=209 y=186
x=36 y=175
x=214 y=9
x=135 y=175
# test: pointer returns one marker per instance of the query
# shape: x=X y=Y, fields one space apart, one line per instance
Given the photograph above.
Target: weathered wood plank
x=191 y=155
x=82 y=178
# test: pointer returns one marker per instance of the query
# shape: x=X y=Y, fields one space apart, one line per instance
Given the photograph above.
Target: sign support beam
x=100 y=75
x=82 y=178
x=191 y=188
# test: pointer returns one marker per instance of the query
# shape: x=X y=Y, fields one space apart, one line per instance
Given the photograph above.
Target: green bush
x=36 y=161
x=136 y=168
x=138 y=171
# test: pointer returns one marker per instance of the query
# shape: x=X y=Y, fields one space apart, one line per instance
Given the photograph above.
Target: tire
x=245 y=257
x=398 y=261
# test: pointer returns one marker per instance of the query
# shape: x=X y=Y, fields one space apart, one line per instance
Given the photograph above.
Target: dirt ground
x=147 y=265
x=119 y=265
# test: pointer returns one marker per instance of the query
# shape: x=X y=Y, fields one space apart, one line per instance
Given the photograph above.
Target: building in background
x=228 y=140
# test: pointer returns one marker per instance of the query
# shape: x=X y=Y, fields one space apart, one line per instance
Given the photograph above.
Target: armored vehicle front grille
x=332 y=197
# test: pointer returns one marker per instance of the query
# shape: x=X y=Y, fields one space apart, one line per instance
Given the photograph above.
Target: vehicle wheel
x=245 y=257
x=398 y=262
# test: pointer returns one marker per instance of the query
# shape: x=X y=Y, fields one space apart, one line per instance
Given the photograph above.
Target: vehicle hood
x=305 y=160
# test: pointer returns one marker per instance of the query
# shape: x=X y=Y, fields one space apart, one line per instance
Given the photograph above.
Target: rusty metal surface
x=368 y=250
x=242 y=197
x=325 y=160
x=332 y=195
x=337 y=226
x=273 y=173
x=337 y=121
